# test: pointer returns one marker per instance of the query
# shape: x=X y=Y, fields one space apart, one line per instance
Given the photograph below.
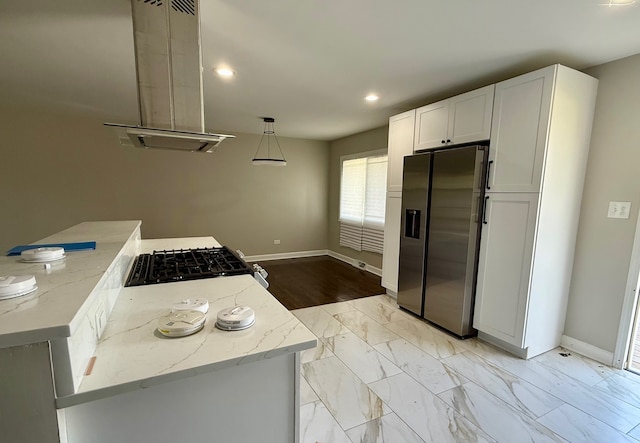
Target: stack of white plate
x=42 y=255
x=16 y=285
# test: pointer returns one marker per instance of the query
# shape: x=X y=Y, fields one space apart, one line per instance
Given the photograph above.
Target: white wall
x=603 y=250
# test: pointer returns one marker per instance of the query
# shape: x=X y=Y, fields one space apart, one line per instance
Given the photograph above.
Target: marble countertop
x=52 y=311
x=131 y=354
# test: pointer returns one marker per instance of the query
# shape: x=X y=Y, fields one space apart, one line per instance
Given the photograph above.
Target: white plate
x=41 y=260
x=16 y=285
x=7 y=297
x=42 y=255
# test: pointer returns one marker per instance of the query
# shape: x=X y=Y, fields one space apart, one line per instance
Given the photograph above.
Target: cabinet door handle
x=484 y=210
x=488 y=173
x=448 y=141
x=443 y=142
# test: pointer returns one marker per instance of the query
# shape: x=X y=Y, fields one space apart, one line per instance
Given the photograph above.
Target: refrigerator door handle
x=484 y=211
x=488 y=173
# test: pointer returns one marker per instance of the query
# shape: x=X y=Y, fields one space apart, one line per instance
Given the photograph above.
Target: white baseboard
x=300 y=254
x=587 y=350
x=285 y=255
x=355 y=263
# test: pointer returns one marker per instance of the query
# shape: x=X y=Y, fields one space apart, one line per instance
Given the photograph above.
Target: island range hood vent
x=169 y=79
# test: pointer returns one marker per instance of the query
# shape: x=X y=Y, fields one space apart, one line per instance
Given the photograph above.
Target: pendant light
x=268 y=138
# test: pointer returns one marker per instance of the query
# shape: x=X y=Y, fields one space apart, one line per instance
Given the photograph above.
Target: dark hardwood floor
x=312 y=281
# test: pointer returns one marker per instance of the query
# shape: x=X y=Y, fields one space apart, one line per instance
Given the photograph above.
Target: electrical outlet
x=619 y=209
x=276 y=242
x=362 y=265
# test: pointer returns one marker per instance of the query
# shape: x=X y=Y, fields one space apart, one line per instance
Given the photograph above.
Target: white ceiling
x=308 y=63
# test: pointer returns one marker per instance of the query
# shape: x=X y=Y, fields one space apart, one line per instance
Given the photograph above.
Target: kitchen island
x=116 y=379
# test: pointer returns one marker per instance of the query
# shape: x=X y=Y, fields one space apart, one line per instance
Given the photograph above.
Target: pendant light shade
x=269 y=142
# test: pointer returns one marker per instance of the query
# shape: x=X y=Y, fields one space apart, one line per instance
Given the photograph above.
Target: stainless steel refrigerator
x=442 y=210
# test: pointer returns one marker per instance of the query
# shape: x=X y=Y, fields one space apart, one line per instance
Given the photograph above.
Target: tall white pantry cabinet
x=540 y=136
x=401 y=128
x=539 y=142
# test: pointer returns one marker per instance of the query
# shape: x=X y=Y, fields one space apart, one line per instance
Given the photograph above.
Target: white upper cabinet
x=470 y=116
x=432 y=124
x=522 y=108
x=460 y=119
x=400 y=145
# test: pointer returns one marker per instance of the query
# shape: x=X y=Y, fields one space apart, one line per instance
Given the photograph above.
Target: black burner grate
x=185 y=264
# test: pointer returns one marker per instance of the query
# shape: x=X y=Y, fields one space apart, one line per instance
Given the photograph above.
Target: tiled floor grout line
x=505 y=404
x=375 y=350
x=353 y=373
x=478 y=352
x=489 y=363
x=575 y=380
x=586 y=386
x=401 y=419
x=393 y=411
x=350 y=370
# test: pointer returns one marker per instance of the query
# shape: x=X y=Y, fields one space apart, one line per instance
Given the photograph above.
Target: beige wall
x=362 y=142
x=603 y=250
x=61 y=167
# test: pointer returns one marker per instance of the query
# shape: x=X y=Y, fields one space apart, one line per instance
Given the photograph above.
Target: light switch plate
x=619 y=209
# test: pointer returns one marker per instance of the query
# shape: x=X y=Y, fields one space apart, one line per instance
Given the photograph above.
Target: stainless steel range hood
x=169 y=75
x=141 y=137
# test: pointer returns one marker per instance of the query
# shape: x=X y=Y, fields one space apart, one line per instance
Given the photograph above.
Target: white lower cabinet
x=209 y=407
x=391 y=250
x=504 y=267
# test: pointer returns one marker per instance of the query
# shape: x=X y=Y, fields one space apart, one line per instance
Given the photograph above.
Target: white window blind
x=362 y=202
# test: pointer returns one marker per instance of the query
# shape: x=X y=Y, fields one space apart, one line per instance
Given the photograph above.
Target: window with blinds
x=362 y=202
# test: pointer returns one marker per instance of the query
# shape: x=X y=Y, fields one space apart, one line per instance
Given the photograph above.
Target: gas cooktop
x=185 y=264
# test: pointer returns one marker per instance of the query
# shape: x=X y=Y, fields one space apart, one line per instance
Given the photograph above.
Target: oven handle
x=259 y=273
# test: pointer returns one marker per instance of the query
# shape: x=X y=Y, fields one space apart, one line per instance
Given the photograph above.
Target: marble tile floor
x=379 y=374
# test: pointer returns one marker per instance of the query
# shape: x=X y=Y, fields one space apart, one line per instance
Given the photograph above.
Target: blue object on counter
x=77 y=246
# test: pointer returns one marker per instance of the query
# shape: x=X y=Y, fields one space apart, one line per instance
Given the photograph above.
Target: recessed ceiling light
x=611 y=3
x=372 y=98
x=224 y=72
